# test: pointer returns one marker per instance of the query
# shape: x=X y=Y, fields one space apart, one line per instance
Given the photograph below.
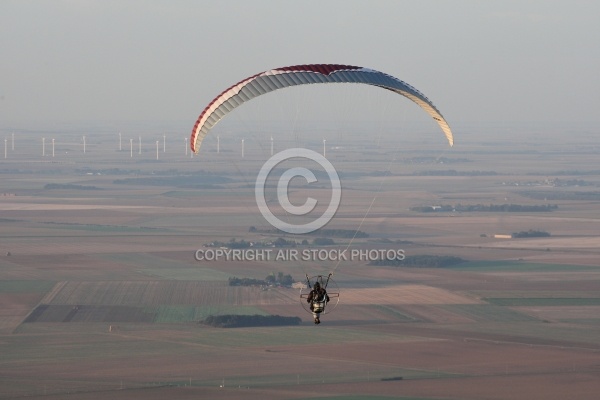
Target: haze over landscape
x=117 y=278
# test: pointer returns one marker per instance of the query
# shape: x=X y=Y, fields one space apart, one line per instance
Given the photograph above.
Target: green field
x=543 y=301
x=296 y=335
x=487 y=313
x=147 y=260
x=329 y=374
x=519 y=266
x=186 y=273
x=113 y=229
x=394 y=313
x=358 y=397
x=519 y=294
x=25 y=286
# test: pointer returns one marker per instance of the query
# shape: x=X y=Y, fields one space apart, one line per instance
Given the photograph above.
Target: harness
x=319 y=299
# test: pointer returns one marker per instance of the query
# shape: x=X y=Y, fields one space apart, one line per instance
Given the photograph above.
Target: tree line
x=272 y=279
x=530 y=233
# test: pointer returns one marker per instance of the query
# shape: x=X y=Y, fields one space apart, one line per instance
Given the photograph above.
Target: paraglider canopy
x=284 y=77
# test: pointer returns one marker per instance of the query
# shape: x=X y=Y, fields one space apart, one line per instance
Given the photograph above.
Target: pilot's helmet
x=317 y=285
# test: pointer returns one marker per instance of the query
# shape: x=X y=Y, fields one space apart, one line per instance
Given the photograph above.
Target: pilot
x=317 y=298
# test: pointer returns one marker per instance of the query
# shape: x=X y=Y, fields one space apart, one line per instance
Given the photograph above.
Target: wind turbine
x=242 y=148
x=131 y=148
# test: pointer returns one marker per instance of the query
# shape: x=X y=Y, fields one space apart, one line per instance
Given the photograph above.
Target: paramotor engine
x=320 y=306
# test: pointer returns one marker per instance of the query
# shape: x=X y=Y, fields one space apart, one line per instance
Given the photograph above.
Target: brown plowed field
x=405 y=294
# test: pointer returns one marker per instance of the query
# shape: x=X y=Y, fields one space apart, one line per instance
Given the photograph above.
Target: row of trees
x=272 y=279
x=530 y=233
x=234 y=281
x=279 y=242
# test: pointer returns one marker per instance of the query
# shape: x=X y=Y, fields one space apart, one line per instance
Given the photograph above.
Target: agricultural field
x=102 y=296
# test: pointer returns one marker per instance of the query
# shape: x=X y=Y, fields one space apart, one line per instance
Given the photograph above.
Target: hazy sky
x=478 y=61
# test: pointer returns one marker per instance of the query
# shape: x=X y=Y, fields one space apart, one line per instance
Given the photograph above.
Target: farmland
x=102 y=295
